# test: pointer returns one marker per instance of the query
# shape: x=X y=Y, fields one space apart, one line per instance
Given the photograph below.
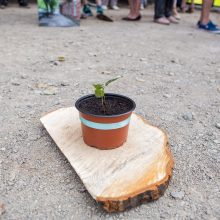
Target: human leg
x=114 y=4
x=2 y=4
x=183 y=6
x=159 y=12
x=204 y=22
x=98 y=2
x=168 y=11
x=105 y=4
x=134 y=8
x=168 y=8
x=159 y=9
x=134 y=13
x=99 y=9
x=86 y=9
x=206 y=7
x=175 y=12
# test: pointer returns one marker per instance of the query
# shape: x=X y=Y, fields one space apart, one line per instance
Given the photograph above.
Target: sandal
x=132 y=19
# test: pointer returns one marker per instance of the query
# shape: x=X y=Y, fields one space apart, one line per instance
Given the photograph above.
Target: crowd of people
x=165 y=11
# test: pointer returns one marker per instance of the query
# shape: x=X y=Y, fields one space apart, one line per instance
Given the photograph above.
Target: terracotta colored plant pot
x=105 y=131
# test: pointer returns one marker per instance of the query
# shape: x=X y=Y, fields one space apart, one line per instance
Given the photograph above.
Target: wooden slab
x=120 y=178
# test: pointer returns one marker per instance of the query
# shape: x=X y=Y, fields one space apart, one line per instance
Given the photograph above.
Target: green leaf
x=112 y=80
x=99 y=90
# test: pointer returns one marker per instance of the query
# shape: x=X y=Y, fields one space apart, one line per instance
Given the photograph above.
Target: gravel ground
x=173 y=74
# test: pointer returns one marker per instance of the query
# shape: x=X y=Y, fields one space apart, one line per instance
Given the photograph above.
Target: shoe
x=142 y=6
x=2 y=6
x=173 y=20
x=23 y=3
x=162 y=20
x=99 y=10
x=104 y=7
x=104 y=17
x=115 y=7
x=132 y=19
x=87 y=11
x=211 y=27
x=212 y=24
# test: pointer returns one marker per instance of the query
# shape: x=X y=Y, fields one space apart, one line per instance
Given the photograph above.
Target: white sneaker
x=142 y=6
x=104 y=7
x=115 y=7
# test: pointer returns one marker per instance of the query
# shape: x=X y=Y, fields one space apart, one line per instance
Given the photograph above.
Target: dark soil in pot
x=113 y=105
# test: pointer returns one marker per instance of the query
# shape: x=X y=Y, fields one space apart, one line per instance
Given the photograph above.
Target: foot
x=162 y=20
x=173 y=20
x=176 y=14
x=132 y=19
x=115 y=7
x=210 y=27
x=2 y=6
x=142 y=6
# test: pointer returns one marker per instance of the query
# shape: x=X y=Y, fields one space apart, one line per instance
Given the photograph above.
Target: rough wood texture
x=120 y=178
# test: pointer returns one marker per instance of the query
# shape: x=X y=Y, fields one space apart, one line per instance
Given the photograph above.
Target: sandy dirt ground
x=173 y=74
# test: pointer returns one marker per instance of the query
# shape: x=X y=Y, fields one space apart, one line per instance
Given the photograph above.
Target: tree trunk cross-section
x=121 y=178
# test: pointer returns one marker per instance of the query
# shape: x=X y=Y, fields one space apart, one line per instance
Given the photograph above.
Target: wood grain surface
x=120 y=178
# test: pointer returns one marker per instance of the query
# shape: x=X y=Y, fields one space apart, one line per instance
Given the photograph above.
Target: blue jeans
x=163 y=8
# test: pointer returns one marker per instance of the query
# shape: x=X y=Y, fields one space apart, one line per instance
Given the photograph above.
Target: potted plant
x=105 y=117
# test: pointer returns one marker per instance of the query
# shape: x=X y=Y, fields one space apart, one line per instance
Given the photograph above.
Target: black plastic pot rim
x=77 y=103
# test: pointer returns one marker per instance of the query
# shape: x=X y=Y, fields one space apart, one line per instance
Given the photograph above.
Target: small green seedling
x=100 y=89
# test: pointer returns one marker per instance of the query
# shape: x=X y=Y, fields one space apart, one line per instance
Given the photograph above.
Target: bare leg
x=192 y=5
x=206 y=7
x=98 y=2
x=134 y=8
x=183 y=6
x=174 y=8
